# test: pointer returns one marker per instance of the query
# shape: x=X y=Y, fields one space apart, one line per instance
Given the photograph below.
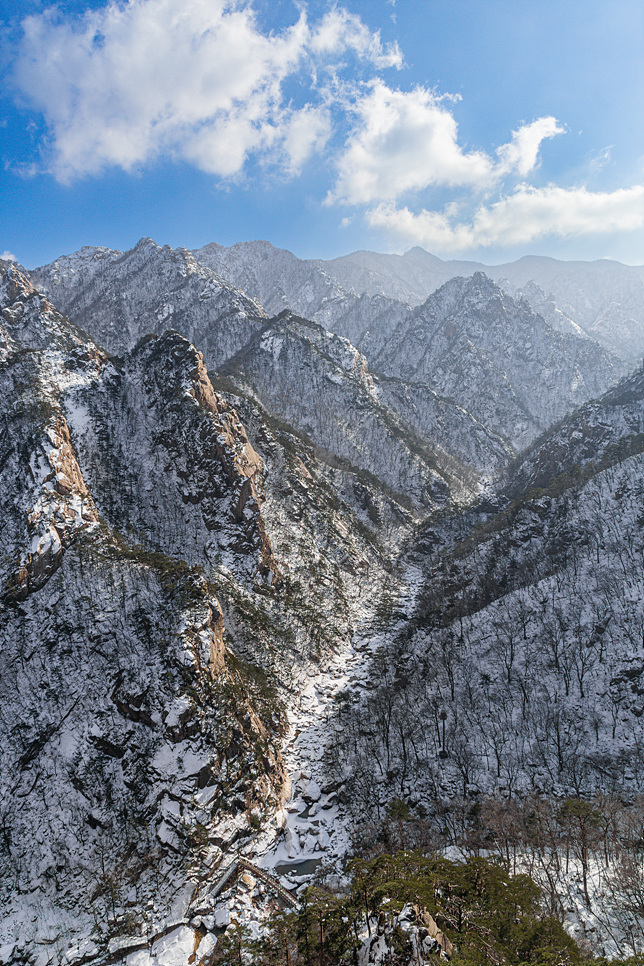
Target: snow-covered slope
x=599 y=433
x=321 y=384
x=604 y=298
x=116 y=681
x=281 y=281
x=528 y=633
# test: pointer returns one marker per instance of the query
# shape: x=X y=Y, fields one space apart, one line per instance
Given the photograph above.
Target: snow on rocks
x=174 y=949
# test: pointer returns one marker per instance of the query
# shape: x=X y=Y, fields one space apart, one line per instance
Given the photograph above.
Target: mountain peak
x=146 y=242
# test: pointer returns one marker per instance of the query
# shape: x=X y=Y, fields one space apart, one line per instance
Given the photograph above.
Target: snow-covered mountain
x=604 y=298
x=544 y=305
x=281 y=281
x=121 y=297
x=381 y=555
x=321 y=384
x=469 y=371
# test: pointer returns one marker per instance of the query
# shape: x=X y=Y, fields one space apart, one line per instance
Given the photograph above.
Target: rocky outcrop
x=63 y=508
x=30 y=318
x=412 y=933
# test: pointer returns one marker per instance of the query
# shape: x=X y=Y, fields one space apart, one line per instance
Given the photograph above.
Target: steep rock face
x=36 y=454
x=130 y=731
x=320 y=383
x=121 y=297
x=328 y=527
x=29 y=317
x=497 y=358
x=170 y=463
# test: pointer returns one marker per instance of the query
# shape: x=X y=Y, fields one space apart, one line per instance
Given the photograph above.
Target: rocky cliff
x=138 y=577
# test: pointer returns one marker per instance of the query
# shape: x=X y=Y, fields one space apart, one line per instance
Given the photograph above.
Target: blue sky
x=475 y=128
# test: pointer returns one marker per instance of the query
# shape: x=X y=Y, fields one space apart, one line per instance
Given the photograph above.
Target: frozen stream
x=312 y=828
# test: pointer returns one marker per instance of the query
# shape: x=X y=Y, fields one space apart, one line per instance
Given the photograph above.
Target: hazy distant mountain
x=471 y=372
x=281 y=281
x=544 y=305
x=604 y=298
x=497 y=358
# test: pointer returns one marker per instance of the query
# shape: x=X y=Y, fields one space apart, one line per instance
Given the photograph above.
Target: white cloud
x=307 y=131
x=522 y=153
x=196 y=80
x=524 y=216
x=137 y=81
x=404 y=141
x=340 y=30
x=599 y=161
x=8 y=257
